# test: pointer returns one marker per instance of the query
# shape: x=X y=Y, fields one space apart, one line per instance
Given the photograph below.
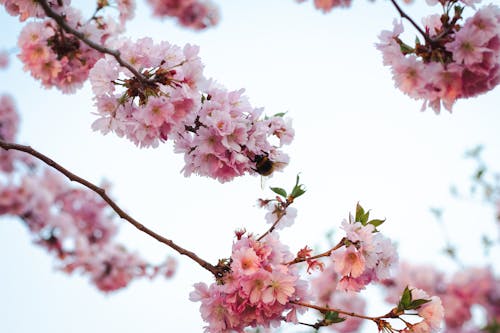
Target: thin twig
x=328 y=309
x=281 y=214
x=405 y=16
x=102 y=193
x=60 y=20
x=324 y=254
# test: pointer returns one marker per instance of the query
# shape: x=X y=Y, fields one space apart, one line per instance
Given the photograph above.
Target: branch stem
x=327 y=309
x=60 y=20
x=405 y=16
x=324 y=254
x=102 y=193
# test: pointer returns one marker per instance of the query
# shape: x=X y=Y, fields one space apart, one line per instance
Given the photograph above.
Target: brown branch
x=328 y=309
x=324 y=254
x=217 y=272
x=405 y=16
x=60 y=20
x=281 y=214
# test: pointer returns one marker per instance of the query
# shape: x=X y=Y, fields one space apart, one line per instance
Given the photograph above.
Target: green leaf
x=493 y=327
x=415 y=304
x=376 y=222
x=332 y=317
x=405 y=300
x=298 y=189
x=280 y=114
x=406 y=49
x=479 y=173
x=474 y=152
x=359 y=212
x=361 y=215
x=417 y=41
x=279 y=191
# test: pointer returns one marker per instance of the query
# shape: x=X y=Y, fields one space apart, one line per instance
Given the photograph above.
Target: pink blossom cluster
x=4 y=59
x=219 y=133
x=230 y=138
x=126 y=9
x=56 y=58
x=9 y=122
x=459 y=292
x=76 y=226
x=257 y=290
x=431 y=313
x=324 y=289
x=327 y=5
x=30 y=8
x=367 y=256
x=454 y=63
x=194 y=14
x=9 y=119
x=147 y=110
x=276 y=211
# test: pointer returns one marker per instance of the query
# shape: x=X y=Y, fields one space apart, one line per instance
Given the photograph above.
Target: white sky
x=357 y=139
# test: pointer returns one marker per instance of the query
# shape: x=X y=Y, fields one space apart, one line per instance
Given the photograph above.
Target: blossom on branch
x=256 y=291
x=454 y=61
x=194 y=14
x=57 y=58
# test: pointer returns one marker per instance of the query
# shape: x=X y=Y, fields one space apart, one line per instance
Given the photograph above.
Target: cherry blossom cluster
x=259 y=285
x=56 y=58
x=4 y=59
x=327 y=5
x=126 y=9
x=151 y=92
x=219 y=133
x=146 y=109
x=193 y=14
x=73 y=224
x=76 y=226
x=366 y=255
x=9 y=122
x=459 y=293
x=30 y=8
x=324 y=289
x=257 y=289
x=455 y=61
x=228 y=139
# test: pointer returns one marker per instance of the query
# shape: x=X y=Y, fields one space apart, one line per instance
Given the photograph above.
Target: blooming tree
x=152 y=92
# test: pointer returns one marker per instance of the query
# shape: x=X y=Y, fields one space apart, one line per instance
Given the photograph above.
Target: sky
x=357 y=139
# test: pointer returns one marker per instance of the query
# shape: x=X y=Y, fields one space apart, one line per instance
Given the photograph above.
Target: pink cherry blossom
x=4 y=59
x=9 y=123
x=194 y=14
x=257 y=294
x=327 y=5
x=56 y=58
x=431 y=313
x=464 y=64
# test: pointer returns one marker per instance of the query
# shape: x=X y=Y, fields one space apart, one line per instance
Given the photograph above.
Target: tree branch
x=216 y=271
x=405 y=16
x=60 y=20
x=324 y=254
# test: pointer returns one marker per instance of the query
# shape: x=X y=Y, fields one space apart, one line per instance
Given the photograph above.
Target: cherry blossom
x=455 y=61
x=194 y=14
x=257 y=289
x=56 y=58
x=4 y=59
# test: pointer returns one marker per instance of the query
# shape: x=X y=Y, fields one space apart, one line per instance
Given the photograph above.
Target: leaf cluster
x=364 y=217
x=408 y=303
x=297 y=191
